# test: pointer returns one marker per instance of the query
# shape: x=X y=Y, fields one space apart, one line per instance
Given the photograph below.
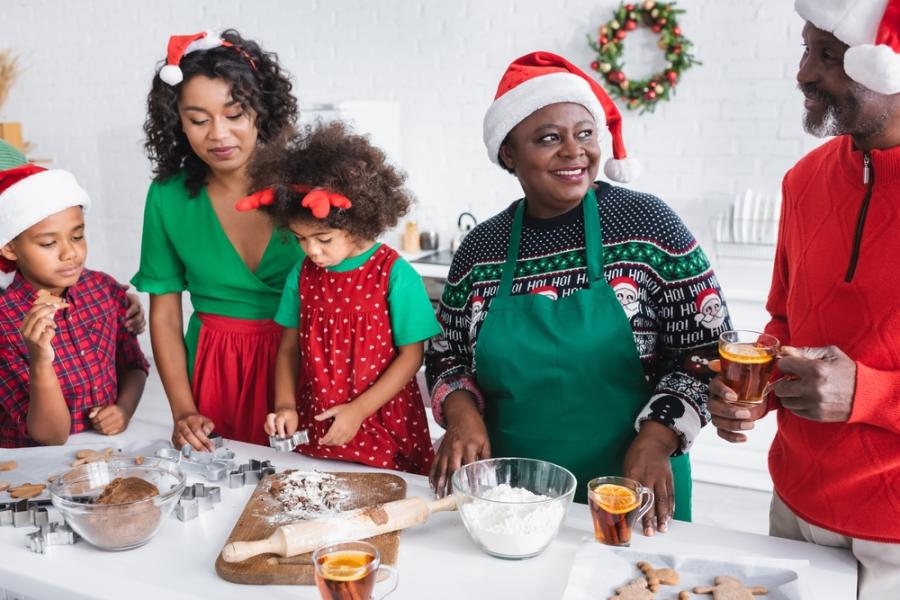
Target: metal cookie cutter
x=214 y=466
x=250 y=472
x=20 y=513
x=288 y=444
x=49 y=534
x=196 y=499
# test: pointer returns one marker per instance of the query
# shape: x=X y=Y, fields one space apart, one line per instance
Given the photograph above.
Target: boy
x=66 y=361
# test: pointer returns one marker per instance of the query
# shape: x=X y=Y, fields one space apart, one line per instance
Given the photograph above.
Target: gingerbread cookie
x=27 y=490
x=8 y=465
x=4 y=485
x=684 y=595
x=635 y=590
x=657 y=577
x=730 y=588
x=90 y=456
x=45 y=297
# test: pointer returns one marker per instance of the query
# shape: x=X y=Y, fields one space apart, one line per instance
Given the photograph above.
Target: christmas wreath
x=609 y=45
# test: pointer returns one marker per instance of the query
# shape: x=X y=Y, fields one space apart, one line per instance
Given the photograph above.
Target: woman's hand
x=466 y=440
x=282 y=423
x=194 y=430
x=109 y=420
x=38 y=330
x=647 y=461
x=347 y=421
x=134 y=315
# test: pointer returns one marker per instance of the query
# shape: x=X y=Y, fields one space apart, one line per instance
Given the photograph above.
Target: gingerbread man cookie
x=45 y=297
x=657 y=577
x=730 y=588
x=635 y=590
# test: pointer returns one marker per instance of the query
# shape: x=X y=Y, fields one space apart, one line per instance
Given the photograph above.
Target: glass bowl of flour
x=513 y=507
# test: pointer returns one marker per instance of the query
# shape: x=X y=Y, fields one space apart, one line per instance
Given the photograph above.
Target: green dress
x=185 y=248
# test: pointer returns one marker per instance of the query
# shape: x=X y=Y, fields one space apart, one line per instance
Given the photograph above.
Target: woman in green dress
x=209 y=106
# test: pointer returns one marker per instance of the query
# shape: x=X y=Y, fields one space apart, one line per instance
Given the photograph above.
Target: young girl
x=209 y=106
x=356 y=315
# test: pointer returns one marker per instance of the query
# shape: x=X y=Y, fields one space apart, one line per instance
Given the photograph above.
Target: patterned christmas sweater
x=662 y=278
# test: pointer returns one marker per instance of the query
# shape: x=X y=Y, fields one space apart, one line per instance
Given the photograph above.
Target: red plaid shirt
x=91 y=346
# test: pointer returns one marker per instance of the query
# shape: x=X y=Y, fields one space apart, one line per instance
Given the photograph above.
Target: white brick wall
x=734 y=124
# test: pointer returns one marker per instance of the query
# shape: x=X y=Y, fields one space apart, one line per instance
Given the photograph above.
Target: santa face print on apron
x=561 y=377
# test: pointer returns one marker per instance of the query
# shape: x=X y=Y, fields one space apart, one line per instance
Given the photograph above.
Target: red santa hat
x=706 y=297
x=872 y=30
x=624 y=283
x=548 y=291
x=29 y=194
x=182 y=45
x=539 y=79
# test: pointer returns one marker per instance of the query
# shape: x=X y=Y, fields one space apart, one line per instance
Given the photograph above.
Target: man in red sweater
x=835 y=300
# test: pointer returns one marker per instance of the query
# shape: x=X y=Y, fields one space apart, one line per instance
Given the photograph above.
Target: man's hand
x=819 y=385
x=466 y=441
x=38 y=329
x=109 y=420
x=134 y=316
x=730 y=419
x=347 y=421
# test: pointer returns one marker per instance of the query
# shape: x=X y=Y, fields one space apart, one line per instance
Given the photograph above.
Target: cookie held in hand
x=730 y=588
x=45 y=297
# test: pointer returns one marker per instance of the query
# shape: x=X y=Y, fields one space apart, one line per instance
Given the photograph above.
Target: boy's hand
x=109 y=420
x=194 y=430
x=283 y=422
x=134 y=316
x=347 y=421
x=38 y=330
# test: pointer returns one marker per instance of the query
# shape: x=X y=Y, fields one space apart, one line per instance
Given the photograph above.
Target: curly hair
x=330 y=156
x=263 y=86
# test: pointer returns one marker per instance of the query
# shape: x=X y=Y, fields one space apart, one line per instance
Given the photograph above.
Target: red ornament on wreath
x=659 y=17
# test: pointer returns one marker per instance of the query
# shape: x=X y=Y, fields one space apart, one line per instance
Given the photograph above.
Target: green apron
x=562 y=378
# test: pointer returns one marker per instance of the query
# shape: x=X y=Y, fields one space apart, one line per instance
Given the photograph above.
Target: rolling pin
x=362 y=523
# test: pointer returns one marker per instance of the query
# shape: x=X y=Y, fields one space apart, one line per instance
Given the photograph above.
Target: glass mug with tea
x=348 y=571
x=747 y=361
x=616 y=504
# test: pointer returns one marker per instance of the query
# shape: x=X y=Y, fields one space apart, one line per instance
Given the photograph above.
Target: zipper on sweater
x=869 y=180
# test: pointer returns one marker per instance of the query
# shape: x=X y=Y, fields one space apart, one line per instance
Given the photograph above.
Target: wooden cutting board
x=255 y=523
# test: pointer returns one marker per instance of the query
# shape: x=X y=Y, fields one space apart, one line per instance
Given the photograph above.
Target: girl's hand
x=109 y=420
x=134 y=315
x=283 y=422
x=347 y=422
x=38 y=330
x=194 y=430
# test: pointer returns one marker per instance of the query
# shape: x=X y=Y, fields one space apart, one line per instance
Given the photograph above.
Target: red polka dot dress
x=346 y=344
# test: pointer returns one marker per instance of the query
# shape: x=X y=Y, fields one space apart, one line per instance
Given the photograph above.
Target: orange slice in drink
x=746 y=354
x=615 y=499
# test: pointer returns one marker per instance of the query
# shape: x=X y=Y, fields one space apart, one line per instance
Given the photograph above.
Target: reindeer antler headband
x=318 y=200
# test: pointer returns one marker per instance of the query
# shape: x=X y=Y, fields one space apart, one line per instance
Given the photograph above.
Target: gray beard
x=836 y=122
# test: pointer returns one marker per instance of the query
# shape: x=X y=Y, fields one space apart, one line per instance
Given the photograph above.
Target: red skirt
x=234 y=374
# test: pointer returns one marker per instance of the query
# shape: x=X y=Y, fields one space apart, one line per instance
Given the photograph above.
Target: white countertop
x=437 y=560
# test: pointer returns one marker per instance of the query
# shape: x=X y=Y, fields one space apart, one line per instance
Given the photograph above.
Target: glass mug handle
x=647 y=503
x=769 y=386
x=393 y=578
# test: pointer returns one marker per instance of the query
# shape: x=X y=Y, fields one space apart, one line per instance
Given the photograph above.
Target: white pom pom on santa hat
x=182 y=45
x=539 y=79
x=872 y=30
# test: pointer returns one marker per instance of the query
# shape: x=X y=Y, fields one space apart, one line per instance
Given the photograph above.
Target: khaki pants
x=879 y=563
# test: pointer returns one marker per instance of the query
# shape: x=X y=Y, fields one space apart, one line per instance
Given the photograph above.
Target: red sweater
x=844 y=477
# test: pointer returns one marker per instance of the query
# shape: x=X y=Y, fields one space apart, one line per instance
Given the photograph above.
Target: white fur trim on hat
x=854 y=22
x=622 y=170
x=531 y=95
x=876 y=67
x=35 y=198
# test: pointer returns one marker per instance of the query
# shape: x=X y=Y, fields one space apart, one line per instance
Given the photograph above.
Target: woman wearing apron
x=577 y=322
